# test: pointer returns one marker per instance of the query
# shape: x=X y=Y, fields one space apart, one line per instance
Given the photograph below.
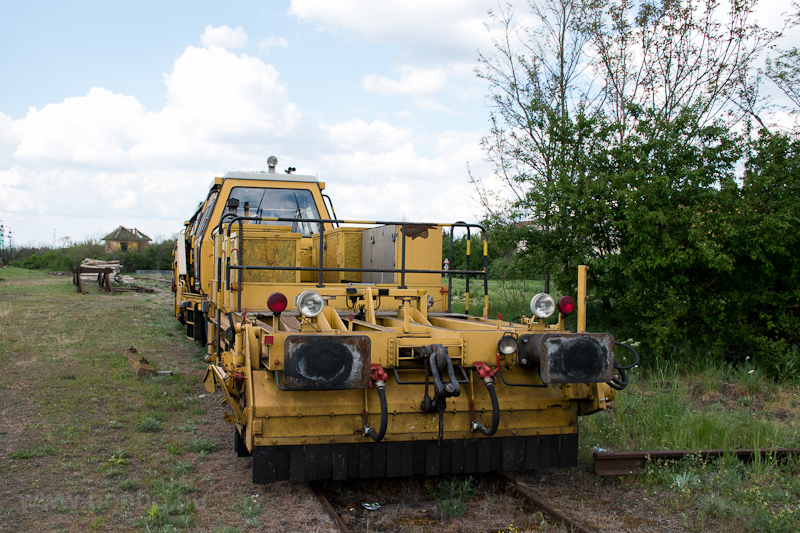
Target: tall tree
x=667 y=55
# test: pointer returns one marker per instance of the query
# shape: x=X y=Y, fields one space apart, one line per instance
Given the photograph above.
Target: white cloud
x=272 y=42
x=217 y=94
x=412 y=82
x=453 y=27
x=355 y=134
x=94 y=129
x=223 y=37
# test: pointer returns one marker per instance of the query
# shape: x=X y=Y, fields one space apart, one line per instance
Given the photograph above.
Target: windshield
x=279 y=203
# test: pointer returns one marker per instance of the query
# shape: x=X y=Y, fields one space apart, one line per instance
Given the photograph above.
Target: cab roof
x=271 y=176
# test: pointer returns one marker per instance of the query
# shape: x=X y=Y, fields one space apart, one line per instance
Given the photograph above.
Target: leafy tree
x=764 y=288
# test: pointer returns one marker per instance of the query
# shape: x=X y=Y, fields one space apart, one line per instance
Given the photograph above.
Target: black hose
x=495 y=413
x=621 y=383
x=627 y=367
x=377 y=436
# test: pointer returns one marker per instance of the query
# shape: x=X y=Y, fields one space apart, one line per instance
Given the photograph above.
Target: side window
x=200 y=229
x=212 y=201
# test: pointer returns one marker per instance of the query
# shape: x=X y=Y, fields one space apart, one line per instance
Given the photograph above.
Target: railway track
x=504 y=483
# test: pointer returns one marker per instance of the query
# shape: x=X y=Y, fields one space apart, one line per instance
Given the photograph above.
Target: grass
x=509 y=298
x=32 y=453
x=709 y=408
x=86 y=445
x=202 y=446
x=452 y=495
x=150 y=424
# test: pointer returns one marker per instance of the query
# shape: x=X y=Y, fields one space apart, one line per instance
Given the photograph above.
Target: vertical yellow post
x=466 y=293
x=485 y=262
x=582 y=269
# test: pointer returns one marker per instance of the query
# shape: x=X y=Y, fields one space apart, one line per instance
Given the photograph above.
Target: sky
x=122 y=113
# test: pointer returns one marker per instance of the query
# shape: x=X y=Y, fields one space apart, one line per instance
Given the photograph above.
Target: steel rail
x=337 y=520
x=534 y=499
x=627 y=463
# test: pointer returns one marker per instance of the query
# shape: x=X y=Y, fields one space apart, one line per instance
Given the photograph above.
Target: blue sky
x=121 y=113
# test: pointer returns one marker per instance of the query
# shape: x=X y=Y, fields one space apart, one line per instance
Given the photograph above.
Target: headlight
x=507 y=344
x=543 y=305
x=309 y=303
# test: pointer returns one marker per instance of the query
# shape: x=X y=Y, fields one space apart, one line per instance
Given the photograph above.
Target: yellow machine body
x=376 y=347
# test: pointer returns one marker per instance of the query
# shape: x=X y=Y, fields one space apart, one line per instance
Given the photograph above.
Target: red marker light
x=566 y=305
x=276 y=302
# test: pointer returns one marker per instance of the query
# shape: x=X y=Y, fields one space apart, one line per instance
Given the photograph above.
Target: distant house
x=124 y=239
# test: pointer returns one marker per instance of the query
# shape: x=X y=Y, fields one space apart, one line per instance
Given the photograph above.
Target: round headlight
x=507 y=345
x=309 y=303
x=543 y=305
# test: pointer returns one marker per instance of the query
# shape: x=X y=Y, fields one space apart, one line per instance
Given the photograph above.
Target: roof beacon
x=272 y=162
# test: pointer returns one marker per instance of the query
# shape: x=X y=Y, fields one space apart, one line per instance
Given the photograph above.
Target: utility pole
x=2 y=242
x=10 y=247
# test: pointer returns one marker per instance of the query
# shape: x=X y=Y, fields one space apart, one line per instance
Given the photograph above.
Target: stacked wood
x=113 y=265
x=132 y=288
x=91 y=267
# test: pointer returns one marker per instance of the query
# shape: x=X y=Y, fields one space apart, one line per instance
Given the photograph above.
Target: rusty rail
x=534 y=499
x=337 y=520
x=627 y=463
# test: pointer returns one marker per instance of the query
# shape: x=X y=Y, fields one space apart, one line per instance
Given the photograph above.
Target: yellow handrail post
x=582 y=269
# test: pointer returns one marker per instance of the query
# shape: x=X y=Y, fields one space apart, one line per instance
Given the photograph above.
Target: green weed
x=174 y=448
x=33 y=453
x=249 y=508
x=129 y=485
x=183 y=468
x=202 y=446
x=119 y=458
x=451 y=495
x=150 y=425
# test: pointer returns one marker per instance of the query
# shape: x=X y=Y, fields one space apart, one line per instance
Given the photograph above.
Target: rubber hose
x=377 y=436
x=621 y=383
x=495 y=413
x=635 y=362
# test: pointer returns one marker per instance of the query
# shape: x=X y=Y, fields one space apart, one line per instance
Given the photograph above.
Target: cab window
x=279 y=203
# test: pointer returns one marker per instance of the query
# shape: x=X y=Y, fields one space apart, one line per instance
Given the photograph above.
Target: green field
x=86 y=445
x=509 y=298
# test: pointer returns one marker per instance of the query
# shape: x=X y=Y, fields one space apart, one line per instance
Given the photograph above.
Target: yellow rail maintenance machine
x=338 y=356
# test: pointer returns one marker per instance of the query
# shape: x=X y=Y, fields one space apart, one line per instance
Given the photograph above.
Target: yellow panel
x=423 y=252
x=342 y=250
x=270 y=246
